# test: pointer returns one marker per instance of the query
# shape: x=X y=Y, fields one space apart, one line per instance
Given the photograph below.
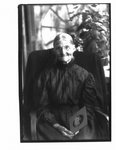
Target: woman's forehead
x=63 y=43
x=63 y=39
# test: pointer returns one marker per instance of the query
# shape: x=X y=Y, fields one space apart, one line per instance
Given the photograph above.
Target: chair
x=40 y=59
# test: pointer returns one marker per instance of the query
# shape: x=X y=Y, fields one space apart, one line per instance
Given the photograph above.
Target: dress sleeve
x=89 y=95
x=42 y=102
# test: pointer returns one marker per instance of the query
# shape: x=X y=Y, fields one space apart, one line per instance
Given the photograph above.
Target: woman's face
x=64 y=50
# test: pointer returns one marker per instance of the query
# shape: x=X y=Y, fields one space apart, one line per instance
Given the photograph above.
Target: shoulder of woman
x=81 y=72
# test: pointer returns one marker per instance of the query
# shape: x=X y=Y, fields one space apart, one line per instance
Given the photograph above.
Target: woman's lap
x=46 y=132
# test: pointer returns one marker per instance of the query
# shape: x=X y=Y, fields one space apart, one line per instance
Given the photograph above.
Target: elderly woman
x=61 y=91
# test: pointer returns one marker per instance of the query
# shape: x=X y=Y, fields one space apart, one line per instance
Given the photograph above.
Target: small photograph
x=64 y=72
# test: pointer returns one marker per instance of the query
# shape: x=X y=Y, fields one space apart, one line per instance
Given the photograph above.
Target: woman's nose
x=62 y=51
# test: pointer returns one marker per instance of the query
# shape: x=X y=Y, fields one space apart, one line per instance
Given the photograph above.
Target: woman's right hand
x=64 y=130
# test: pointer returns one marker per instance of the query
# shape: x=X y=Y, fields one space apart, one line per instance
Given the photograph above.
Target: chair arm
x=33 y=126
x=103 y=114
x=102 y=123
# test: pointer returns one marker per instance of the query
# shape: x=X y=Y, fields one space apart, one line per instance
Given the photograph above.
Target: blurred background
x=89 y=24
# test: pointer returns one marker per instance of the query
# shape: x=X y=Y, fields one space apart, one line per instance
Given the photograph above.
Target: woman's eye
x=67 y=47
x=58 y=48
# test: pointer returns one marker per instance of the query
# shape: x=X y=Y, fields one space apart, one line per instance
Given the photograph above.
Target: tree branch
x=65 y=21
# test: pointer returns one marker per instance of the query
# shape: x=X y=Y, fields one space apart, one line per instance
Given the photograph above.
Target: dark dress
x=59 y=92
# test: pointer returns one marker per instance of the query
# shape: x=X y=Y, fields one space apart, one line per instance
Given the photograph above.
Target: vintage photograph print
x=64 y=72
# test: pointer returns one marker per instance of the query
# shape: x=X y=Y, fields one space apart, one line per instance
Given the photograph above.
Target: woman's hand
x=64 y=130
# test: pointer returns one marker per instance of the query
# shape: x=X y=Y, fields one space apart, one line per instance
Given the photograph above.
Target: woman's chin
x=65 y=60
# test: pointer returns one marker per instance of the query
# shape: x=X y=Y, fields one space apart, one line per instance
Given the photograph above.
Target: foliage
x=94 y=23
